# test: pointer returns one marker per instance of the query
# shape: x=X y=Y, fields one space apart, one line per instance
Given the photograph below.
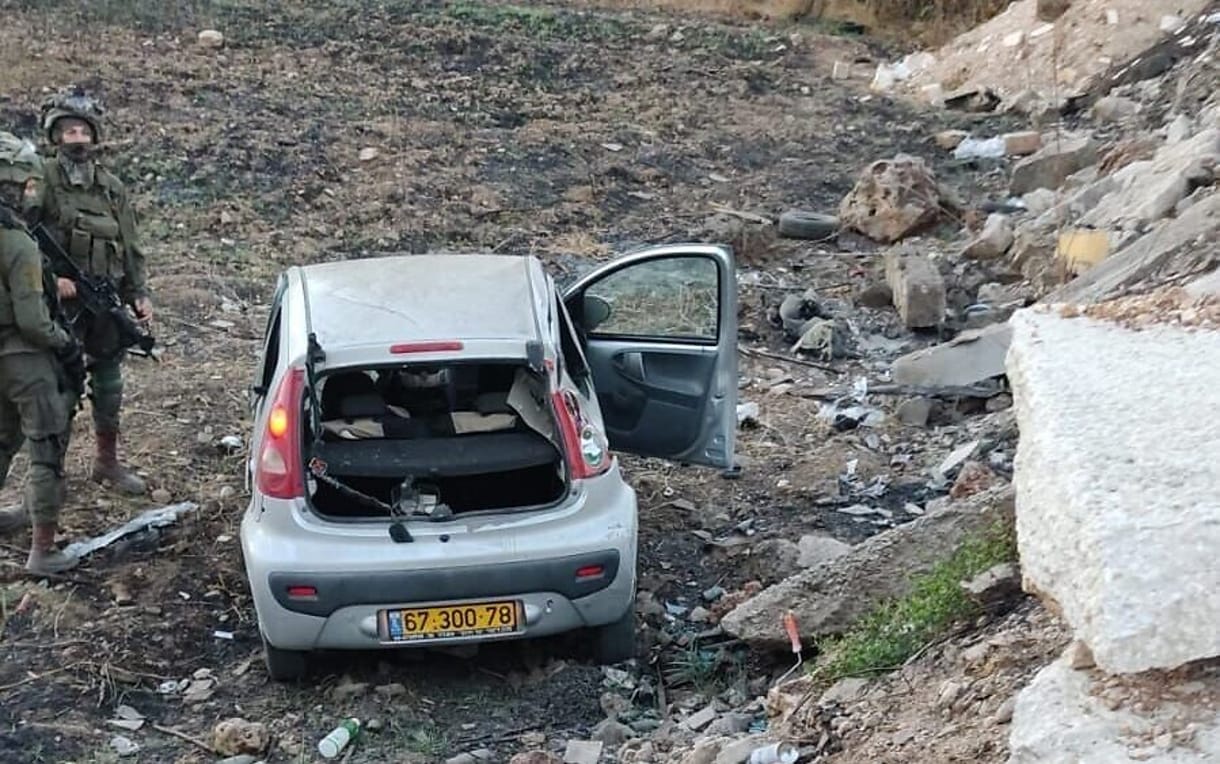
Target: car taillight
x=280 y=472
x=585 y=446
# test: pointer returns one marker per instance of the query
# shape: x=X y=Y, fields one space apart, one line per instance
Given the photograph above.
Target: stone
x=235 y=736
x=830 y=598
x=612 y=733
x=161 y=496
x=996 y=588
x=700 y=615
x=391 y=691
x=973 y=478
x=970 y=357
x=614 y=705
x=919 y=289
x=993 y=241
x=773 y=560
x=1039 y=200
x=1003 y=714
x=816 y=549
x=1052 y=165
x=1050 y=10
x=583 y=752
x=1079 y=656
x=1062 y=718
x=844 y=692
x=892 y=199
x=1171 y=24
x=347 y=690
x=368 y=154
x=1179 y=129
x=731 y=724
x=1114 y=109
x=875 y=296
x=462 y=758
x=1022 y=143
x=739 y=751
x=950 y=139
x=700 y=718
x=1013 y=39
x=1145 y=191
x=535 y=757
x=1118 y=518
x=914 y=412
x=211 y=38
x=124 y=746
x=705 y=751
x=1132 y=263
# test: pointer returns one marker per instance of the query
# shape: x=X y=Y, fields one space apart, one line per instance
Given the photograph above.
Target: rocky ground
x=351 y=128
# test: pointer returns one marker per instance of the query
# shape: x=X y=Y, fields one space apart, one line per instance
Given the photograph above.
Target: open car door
x=659 y=328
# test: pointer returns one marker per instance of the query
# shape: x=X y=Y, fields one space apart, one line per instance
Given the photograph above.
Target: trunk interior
x=434 y=442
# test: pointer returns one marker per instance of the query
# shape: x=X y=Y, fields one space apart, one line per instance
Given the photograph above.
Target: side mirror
x=595 y=311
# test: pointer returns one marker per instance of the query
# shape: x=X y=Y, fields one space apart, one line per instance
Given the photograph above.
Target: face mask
x=79 y=152
x=11 y=195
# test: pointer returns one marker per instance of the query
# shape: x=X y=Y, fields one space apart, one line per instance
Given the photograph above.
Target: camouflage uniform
x=37 y=397
x=87 y=209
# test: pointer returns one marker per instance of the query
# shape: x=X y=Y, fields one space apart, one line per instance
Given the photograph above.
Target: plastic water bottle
x=338 y=738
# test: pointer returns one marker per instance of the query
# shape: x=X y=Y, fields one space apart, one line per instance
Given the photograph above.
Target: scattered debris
x=152 y=518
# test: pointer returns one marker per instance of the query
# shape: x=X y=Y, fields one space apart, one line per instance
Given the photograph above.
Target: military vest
x=86 y=220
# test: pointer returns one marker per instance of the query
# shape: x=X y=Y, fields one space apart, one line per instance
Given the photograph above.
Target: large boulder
x=1066 y=716
x=892 y=199
x=1118 y=496
x=829 y=598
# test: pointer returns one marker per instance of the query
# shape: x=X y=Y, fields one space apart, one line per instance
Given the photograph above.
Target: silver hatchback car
x=431 y=461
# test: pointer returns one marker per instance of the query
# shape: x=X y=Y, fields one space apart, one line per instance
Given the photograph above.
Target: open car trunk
x=434 y=442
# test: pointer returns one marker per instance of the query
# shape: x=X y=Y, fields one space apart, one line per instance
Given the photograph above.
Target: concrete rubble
x=1070 y=716
x=829 y=598
x=917 y=287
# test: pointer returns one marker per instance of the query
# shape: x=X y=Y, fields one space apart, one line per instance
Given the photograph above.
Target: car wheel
x=615 y=642
x=283 y=665
x=798 y=224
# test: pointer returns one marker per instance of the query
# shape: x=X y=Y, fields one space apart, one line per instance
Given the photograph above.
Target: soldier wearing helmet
x=37 y=397
x=87 y=209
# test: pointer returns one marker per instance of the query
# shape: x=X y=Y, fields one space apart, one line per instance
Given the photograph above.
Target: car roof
x=404 y=298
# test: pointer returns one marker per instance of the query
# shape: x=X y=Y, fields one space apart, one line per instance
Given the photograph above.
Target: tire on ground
x=800 y=224
x=615 y=642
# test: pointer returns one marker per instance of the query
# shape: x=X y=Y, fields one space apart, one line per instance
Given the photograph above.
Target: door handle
x=630 y=365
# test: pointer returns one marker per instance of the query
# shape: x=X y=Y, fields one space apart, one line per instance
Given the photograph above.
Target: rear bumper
x=359 y=571
x=340 y=590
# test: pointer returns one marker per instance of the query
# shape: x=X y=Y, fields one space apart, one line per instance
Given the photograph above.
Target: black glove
x=72 y=361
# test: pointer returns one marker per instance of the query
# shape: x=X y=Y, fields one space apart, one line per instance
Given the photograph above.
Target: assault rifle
x=100 y=306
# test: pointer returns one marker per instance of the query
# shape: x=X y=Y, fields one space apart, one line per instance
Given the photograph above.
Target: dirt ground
x=568 y=135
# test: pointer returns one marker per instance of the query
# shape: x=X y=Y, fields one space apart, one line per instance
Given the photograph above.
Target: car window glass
x=569 y=347
x=667 y=298
x=271 y=353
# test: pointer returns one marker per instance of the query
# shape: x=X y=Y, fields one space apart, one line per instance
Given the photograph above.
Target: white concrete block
x=1118 y=483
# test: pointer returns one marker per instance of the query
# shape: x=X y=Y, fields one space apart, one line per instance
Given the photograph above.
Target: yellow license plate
x=447 y=621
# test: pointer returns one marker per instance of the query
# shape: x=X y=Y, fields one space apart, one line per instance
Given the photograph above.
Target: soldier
x=87 y=209
x=41 y=370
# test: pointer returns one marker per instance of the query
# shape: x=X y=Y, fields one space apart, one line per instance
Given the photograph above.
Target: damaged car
x=432 y=459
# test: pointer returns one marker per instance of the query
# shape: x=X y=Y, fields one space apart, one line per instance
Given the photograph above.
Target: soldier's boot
x=13 y=519
x=44 y=557
x=106 y=467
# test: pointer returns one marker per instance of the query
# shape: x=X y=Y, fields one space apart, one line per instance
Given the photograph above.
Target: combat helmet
x=72 y=103
x=19 y=160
